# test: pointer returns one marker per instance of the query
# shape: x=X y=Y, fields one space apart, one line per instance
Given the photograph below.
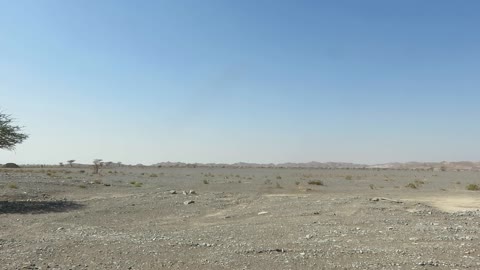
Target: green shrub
x=473 y=187
x=205 y=181
x=136 y=184
x=13 y=185
x=348 y=177
x=153 y=175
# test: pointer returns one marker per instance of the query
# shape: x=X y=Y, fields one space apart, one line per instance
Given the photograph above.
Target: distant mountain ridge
x=435 y=166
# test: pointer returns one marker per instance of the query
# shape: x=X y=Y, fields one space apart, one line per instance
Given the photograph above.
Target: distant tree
x=119 y=164
x=61 y=164
x=10 y=134
x=71 y=161
x=97 y=163
x=108 y=163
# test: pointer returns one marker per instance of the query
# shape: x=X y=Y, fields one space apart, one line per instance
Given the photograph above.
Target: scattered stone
x=279 y=250
x=188 y=202
x=172 y=191
x=376 y=199
x=430 y=262
x=262 y=213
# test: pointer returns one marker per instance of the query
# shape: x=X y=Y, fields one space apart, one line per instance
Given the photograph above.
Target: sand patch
x=452 y=203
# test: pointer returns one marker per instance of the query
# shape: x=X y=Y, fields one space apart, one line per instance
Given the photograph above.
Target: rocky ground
x=214 y=218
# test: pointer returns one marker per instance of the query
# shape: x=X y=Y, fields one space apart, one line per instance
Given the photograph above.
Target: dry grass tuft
x=315 y=182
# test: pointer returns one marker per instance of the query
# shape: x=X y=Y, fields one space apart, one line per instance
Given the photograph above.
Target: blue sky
x=254 y=81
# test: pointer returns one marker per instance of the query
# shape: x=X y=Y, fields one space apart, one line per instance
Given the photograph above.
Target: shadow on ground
x=37 y=207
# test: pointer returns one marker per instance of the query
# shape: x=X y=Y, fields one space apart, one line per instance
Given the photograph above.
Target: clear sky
x=253 y=81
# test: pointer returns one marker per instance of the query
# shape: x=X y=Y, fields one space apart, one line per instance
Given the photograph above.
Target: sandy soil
x=130 y=218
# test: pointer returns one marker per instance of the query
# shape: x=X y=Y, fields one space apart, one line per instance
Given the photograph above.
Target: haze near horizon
x=241 y=81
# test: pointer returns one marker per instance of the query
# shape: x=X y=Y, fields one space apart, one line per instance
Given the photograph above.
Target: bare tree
x=10 y=135
x=97 y=163
x=71 y=161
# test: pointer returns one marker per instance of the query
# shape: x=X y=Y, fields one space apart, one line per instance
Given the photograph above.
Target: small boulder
x=188 y=202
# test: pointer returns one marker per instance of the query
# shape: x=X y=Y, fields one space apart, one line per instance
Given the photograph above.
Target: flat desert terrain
x=245 y=218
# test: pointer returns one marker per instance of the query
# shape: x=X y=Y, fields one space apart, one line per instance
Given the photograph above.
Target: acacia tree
x=71 y=161
x=97 y=163
x=10 y=134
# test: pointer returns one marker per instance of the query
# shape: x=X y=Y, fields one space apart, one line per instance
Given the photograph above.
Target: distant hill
x=428 y=166
x=434 y=166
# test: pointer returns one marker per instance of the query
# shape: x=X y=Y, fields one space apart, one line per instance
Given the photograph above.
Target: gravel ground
x=214 y=218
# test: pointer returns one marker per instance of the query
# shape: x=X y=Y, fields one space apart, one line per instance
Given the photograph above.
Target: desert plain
x=135 y=217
